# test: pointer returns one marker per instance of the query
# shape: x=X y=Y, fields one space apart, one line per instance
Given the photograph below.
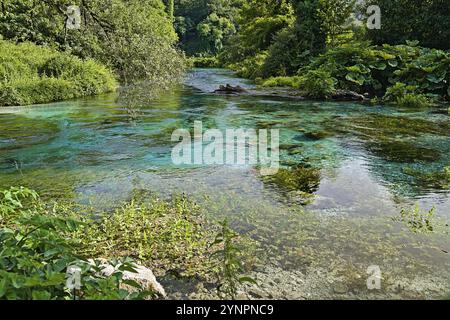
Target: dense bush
x=205 y=62
x=424 y=21
x=364 y=68
x=406 y=75
x=406 y=96
x=318 y=84
x=34 y=74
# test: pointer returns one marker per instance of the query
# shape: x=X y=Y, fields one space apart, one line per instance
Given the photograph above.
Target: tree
x=204 y=26
x=425 y=21
x=134 y=37
x=334 y=16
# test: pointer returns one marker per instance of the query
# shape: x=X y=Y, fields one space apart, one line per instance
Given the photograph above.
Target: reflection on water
x=326 y=217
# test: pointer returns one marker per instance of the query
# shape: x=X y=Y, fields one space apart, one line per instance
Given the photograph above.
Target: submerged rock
x=143 y=276
x=347 y=95
x=229 y=89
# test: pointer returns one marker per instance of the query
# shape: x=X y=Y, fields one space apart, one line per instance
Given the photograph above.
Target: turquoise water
x=371 y=161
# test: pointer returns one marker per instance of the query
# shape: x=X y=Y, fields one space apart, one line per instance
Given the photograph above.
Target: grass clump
x=293 y=82
x=31 y=74
x=406 y=96
x=165 y=235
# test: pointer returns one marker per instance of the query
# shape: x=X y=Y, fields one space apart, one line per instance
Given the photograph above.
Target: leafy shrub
x=10 y=96
x=363 y=68
x=31 y=74
x=318 y=84
x=251 y=67
x=405 y=96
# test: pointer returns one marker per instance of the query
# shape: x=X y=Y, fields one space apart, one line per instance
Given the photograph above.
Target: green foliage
x=251 y=67
x=205 y=62
x=204 y=26
x=315 y=84
x=424 y=21
x=259 y=22
x=36 y=250
x=32 y=74
x=135 y=38
x=363 y=68
x=405 y=96
x=215 y=30
x=335 y=18
x=294 y=82
x=413 y=101
x=165 y=235
x=416 y=220
x=318 y=84
x=231 y=266
x=292 y=32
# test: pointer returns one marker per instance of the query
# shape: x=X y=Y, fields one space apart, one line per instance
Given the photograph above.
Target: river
x=369 y=163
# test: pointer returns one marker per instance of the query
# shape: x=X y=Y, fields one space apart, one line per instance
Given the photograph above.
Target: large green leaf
x=356 y=78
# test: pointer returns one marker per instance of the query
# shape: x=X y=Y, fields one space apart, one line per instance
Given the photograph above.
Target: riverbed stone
x=143 y=276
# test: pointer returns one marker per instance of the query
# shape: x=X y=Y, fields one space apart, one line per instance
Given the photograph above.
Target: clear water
x=96 y=151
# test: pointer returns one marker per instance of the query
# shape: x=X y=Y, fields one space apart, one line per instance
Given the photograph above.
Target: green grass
x=31 y=74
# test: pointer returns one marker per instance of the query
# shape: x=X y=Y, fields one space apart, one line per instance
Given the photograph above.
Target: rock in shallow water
x=142 y=276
